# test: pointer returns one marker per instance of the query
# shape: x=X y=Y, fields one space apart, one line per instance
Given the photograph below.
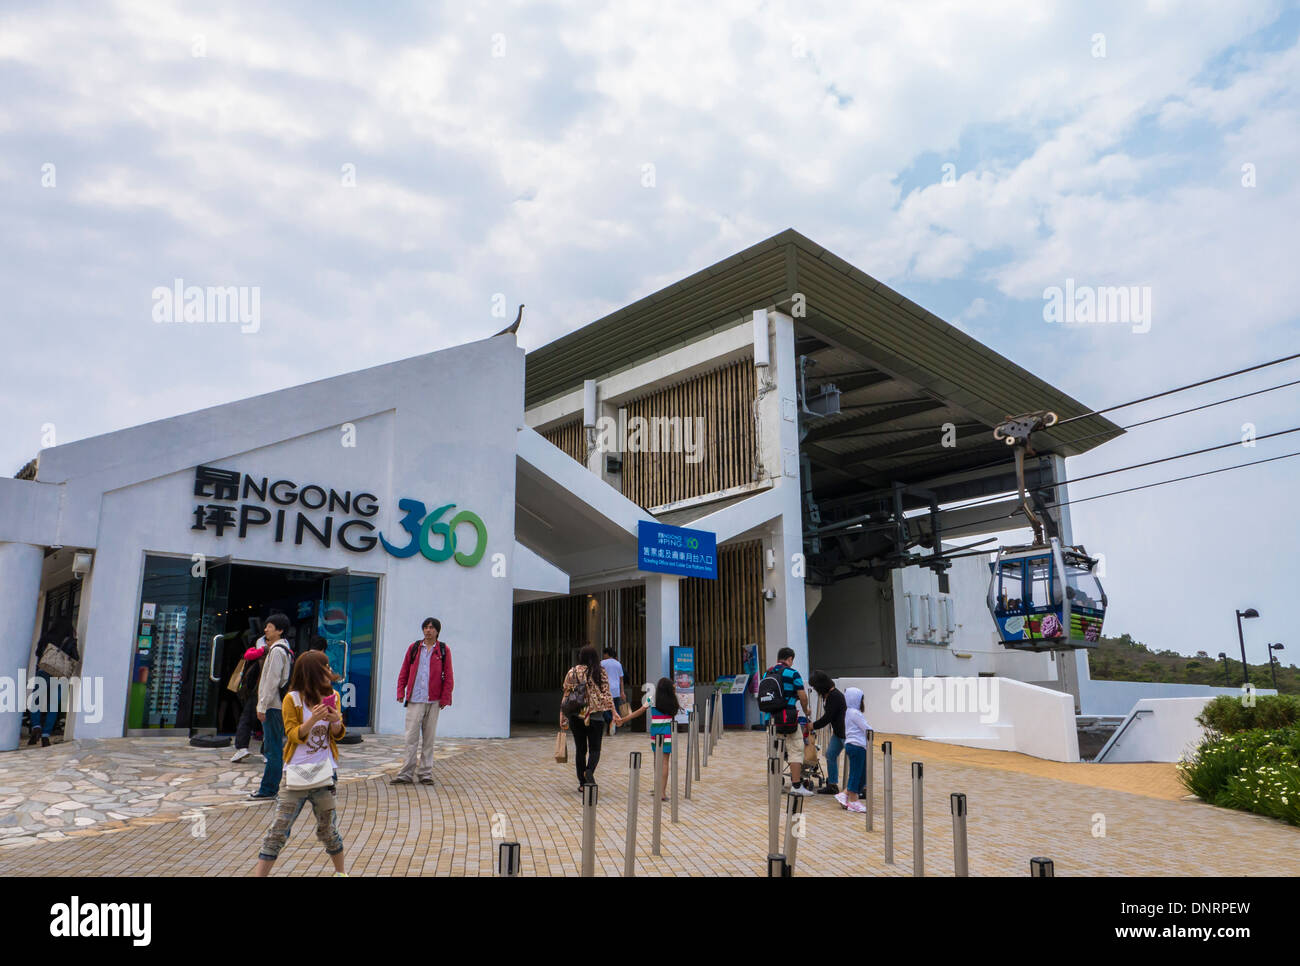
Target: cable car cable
x=1131 y=489
x=1122 y=469
x=1190 y=385
x=1184 y=412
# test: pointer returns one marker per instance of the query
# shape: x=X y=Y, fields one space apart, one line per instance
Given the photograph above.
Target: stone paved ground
x=49 y=793
x=513 y=786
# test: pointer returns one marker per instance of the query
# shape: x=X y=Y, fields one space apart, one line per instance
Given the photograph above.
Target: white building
x=816 y=423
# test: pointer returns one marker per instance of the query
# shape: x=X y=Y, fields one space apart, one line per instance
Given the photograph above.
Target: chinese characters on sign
x=676 y=550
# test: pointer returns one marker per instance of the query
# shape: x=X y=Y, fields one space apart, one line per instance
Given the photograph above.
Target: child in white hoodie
x=855 y=745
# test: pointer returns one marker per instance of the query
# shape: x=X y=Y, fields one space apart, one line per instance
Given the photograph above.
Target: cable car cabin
x=1046 y=598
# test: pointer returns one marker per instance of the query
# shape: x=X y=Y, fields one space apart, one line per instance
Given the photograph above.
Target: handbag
x=561 y=749
x=56 y=662
x=301 y=778
x=236 y=677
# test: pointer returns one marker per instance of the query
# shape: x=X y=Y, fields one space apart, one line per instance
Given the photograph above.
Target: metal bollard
x=960 y=863
x=690 y=752
x=703 y=734
x=776 y=867
x=654 y=793
x=633 y=787
x=589 y=796
x=887 y=748
x=869 y=796
x=718 y=717
x=793 y=809
x=672 y=775
x=695 y=742
x=509 y=859
x=773 y=805
x=1041 y=868
x=918 y=820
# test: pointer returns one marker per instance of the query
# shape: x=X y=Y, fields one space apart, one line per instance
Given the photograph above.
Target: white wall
x=419 y=434
x=997 y=713
x=1119 y=697
x=1167 y=733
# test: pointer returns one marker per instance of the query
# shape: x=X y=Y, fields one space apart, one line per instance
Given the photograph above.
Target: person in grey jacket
x=270 y=696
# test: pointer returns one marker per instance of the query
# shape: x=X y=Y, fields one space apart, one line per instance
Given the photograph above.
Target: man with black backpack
x=779 y=692
x=276 y=667
x=424 y=686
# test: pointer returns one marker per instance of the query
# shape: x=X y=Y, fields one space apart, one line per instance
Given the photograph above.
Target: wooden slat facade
x=724 y=400
x=570 y=438
x=718 y=617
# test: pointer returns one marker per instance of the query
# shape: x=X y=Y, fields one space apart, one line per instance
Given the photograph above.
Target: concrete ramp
x=1157 y=729
x=996 y=713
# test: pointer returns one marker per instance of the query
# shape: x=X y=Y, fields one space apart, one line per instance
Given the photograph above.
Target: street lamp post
x=1226 y=680
x=1248 y=613
x=1272 y=661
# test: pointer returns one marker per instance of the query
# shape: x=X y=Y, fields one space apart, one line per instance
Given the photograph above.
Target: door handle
x=212 y=659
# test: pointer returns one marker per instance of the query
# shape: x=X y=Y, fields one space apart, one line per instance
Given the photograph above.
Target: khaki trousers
x=420 y=718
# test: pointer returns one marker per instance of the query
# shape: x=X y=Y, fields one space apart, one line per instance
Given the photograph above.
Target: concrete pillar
x=20 y=587
x=662 y=623
x=778 y=414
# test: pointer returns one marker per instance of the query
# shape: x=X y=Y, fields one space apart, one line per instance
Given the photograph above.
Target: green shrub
x=1255 y=771
x=1226 y=715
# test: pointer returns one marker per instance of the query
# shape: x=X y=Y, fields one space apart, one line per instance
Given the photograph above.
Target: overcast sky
x=502 y=149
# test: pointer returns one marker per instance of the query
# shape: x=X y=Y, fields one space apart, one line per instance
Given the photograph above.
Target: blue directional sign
x=663 y=549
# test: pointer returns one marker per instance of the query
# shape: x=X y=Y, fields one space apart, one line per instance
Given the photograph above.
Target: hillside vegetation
x=1124 y=659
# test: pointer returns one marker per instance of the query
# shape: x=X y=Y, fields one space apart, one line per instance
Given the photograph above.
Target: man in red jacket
x=424 y=685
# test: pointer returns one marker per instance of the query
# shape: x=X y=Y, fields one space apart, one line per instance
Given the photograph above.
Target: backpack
x=284 y=688
x=771 y=693
x=576 y=702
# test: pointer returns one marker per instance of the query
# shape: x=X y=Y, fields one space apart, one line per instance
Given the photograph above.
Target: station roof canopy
x=902 y=371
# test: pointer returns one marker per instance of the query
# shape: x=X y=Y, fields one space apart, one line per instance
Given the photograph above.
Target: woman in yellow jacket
x=313 y=723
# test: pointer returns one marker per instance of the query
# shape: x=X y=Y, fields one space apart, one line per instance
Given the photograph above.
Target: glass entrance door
x=346 y=621
x=205 y=679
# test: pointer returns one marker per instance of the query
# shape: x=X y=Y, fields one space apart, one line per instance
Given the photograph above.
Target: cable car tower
x=1043 y=597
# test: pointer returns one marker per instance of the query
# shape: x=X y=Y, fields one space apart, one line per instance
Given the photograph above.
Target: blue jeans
x=48 y=716
x=857 y=769
x=273 y=751
x=833 y=759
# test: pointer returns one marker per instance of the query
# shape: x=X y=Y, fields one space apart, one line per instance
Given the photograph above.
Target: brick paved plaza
x=125 y=807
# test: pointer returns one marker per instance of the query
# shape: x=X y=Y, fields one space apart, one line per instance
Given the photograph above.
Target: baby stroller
x=811 y=775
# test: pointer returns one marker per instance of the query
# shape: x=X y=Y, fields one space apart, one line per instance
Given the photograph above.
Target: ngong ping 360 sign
x=241 y=502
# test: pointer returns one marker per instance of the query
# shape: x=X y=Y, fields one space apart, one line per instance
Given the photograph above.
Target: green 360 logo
x=424 y=526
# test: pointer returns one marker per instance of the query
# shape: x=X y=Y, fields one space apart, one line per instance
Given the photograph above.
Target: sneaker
x=828 y=789
x=35 y=735
x=239 y=755
x=399 y=780
x=842 y=798
x=801 y=791
x=340 y=875
x=856 y=807
x=426 y=781
x=258 y=797
x=45 y=742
